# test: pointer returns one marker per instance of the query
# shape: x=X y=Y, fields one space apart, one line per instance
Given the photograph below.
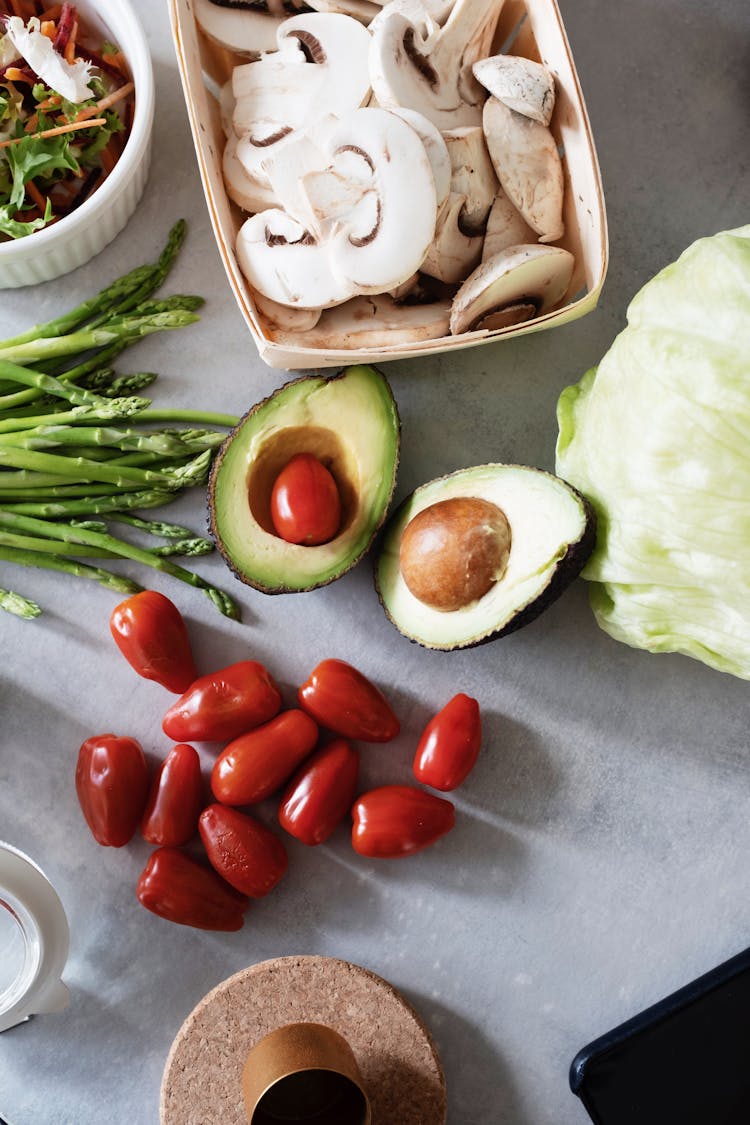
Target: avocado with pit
x=350 y=423
x=481 y=552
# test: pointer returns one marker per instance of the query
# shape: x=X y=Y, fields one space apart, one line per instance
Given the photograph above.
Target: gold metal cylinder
x=304 y=1074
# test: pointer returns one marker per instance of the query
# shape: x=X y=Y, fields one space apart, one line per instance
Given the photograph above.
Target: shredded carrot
x=36 y=196
x=69 y=128
x=70 y=46
x=32 y=123
x=16 y=75
x=116 y=96
x=49 y=103
x=119 y=61
x=48 y=28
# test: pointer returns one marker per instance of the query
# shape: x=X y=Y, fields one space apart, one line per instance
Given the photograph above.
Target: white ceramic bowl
x=69 y=243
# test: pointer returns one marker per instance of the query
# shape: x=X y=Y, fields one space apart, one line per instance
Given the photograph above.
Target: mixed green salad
x=66 y=103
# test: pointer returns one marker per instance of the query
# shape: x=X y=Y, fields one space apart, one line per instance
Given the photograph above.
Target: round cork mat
x=400 y=1068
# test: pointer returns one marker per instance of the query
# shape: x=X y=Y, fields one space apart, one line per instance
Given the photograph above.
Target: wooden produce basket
x=375 y=329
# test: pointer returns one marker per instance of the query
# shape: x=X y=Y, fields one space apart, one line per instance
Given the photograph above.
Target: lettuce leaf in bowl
x=658 y=438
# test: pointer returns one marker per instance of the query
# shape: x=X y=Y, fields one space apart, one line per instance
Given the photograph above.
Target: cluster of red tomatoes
x=266 y=749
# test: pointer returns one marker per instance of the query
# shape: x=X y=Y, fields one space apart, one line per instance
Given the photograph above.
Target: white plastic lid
x=34 y=938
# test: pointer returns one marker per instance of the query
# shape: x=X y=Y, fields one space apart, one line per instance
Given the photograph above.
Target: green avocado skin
x=566 y=570
x=357 y=410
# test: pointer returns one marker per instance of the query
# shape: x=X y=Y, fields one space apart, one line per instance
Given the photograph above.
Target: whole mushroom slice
x=455 y=251
x=472 y=175
x=283 y=261
x=524 y=154
x=516 y=285
x=373 y=322
x=320 y=68
x=526 y=86
x=420 y=65
x=380 y=198
x=506 y=227
x=243 y=189
x=432 y=13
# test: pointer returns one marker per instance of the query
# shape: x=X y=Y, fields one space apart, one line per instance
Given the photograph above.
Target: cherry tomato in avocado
x=321 y=793
x=175 y=800
x=305 y=502
x=397 y=820
x=449 y=746
x=151 y=634
x=223 y=704
x=112 y=787
x=342 y=699
x=242 y=850
x=176 y=887
x=256 y=764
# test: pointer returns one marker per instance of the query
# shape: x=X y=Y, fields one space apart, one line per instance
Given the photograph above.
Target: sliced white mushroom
x=516 y=285
x=406 y=289
x=373 y=322
x=436 y=149
x=319 y=69
x=472 y=175
x=506 y=227
x=416 y=11
x=526 y=86
x=243 y=189
x=284 y=317
x=382 y=170
x=420 y=65
x=362 y=10
x=285 y=262
x=284 y=168
x=525 y=157
x=455 y=251
x=246 y=31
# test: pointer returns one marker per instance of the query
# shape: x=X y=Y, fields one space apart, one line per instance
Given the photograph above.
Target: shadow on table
x=480 y=1082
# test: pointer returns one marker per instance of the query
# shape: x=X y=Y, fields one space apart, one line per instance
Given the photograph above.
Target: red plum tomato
x=305 y=502
x=175 y=800
x=242 y=850
x=449 y=746
x=112 y=785
x=321 y=793
x=256 y=764
x=342 y=699
x=179 y=888
x=223 y=704
x=397 y=820
x=151 y=634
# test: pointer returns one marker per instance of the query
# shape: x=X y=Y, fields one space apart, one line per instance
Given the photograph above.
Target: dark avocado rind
x=557 y=575
x=350 y=421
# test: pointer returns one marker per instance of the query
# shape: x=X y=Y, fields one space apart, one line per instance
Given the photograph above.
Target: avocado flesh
x=552 y=534
x=350 y=422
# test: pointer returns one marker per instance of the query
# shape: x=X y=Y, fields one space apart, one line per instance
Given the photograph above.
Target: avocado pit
x=454 y=551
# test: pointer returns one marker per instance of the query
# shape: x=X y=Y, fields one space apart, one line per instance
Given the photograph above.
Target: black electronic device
x=683 y=1061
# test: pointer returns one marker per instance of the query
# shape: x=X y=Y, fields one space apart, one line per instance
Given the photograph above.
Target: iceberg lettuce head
x=658 y=438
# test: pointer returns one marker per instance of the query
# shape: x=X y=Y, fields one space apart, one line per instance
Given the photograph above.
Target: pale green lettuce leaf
x=658 y=438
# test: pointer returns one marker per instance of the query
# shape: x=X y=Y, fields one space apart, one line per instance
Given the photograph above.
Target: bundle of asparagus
x=80 y=449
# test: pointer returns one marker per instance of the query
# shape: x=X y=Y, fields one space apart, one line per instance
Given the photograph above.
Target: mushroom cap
x=532 y=277
x=526 y=86
x=242 y=188
x=244 y=31
x=524 y=154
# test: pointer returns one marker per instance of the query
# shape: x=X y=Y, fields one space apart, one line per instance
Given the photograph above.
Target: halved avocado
x=537 y=549
x=350 y=423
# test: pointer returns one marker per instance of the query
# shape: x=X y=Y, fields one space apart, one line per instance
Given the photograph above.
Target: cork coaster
x=401 y=1071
